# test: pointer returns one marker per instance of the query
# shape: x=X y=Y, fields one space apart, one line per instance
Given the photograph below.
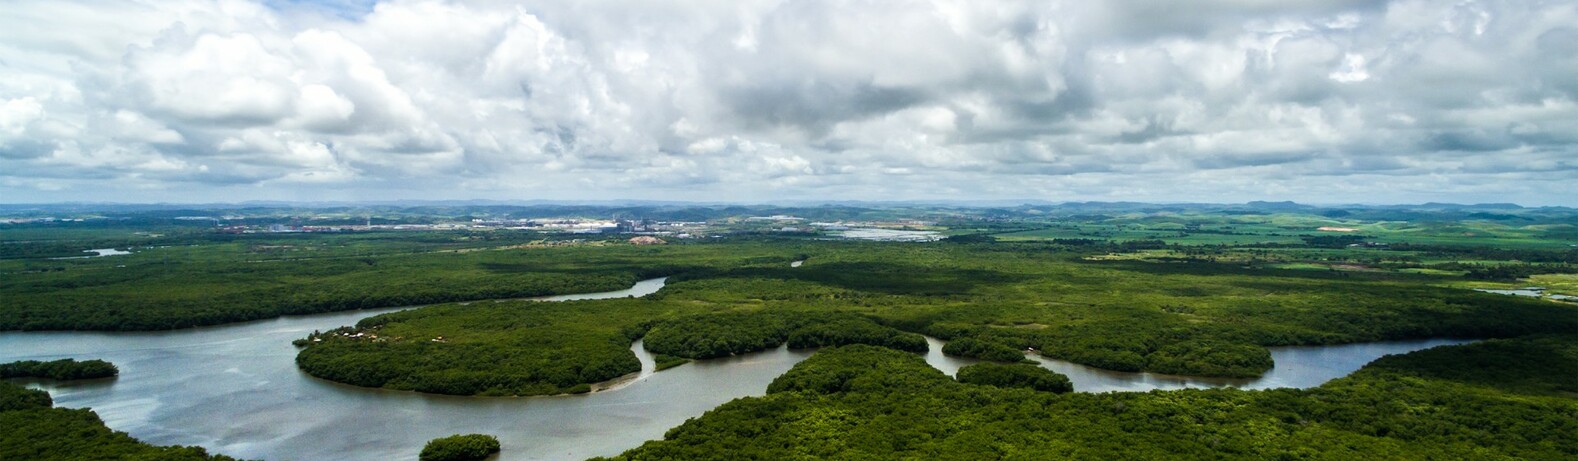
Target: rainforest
x=1205 y=292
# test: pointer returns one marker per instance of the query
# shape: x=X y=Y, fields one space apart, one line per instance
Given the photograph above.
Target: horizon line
x=780 y=203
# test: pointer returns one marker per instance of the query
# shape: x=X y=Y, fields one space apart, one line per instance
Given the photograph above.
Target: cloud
x=1216 y=100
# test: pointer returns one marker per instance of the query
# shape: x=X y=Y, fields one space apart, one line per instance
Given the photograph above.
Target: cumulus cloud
x=1315 y=100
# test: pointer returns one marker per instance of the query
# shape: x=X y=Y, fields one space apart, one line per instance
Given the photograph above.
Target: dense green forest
x=707 y=336
x=1015 y=375
x=532 y=348
x=488 y=348
x=985 y=350
x=238 y=281
x=185 y=272
x=1208 y=314
x=468 y=447
x=1180 y=289
x=63 y=369
x=860 y=402
x=990 y=300
x=35 y=430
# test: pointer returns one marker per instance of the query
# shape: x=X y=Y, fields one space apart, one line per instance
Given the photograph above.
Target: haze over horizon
x=1218 y=101
x=86 y=205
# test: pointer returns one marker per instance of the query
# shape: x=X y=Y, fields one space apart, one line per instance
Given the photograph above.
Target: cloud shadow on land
x=889 y=278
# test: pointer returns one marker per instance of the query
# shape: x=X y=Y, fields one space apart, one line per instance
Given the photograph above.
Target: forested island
x=467 y=447
x=1015 y=375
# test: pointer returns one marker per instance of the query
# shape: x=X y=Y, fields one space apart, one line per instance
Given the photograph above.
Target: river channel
x=235 y=389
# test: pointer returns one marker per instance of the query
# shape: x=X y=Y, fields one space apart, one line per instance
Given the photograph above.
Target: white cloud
x=1352 y=70
x=763 y=99
x=17 y=114
x=212 y=78
x=130 y=126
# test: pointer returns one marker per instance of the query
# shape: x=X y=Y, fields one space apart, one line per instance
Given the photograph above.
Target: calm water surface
x=97 y=252
x=1297 y=367
x=1532 y=292
x=889 y=235
x=235 y=389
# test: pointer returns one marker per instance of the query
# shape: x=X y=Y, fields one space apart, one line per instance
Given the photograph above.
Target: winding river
x=235 y=389
x=1296 y=366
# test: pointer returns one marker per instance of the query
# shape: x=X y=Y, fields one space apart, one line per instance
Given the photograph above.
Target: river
x=1296 y=366
x=235 y=389
x=98 y=252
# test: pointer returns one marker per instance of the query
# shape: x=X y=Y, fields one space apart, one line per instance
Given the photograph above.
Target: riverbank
x=253 y=403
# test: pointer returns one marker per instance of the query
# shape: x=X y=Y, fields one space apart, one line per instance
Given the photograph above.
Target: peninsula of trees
x=63 y=369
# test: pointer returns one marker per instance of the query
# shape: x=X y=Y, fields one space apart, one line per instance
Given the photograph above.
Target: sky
x=1316 y=101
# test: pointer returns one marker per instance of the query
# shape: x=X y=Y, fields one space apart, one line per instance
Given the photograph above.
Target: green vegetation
x=989 y=300
x=488 y=348
x=845 y=330
x=235 y=284
x=14 y=397
x=34 y=430
x=1562 y=284
x=536 y=348
x=63 y=369
x=860 y=402
x=665 y=362
x=718 y=335
x=1180 y=289
x=847 y=369
x=1015 y=375
x=1535 y=365
x=984 y=350
x=1215 y=358
x=468 y=447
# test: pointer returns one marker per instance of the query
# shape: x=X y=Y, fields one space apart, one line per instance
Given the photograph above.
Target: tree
x=468 y=447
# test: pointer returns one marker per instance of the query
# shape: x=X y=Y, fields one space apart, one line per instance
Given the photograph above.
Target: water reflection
x=1299 y=367
x=1296 y=367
